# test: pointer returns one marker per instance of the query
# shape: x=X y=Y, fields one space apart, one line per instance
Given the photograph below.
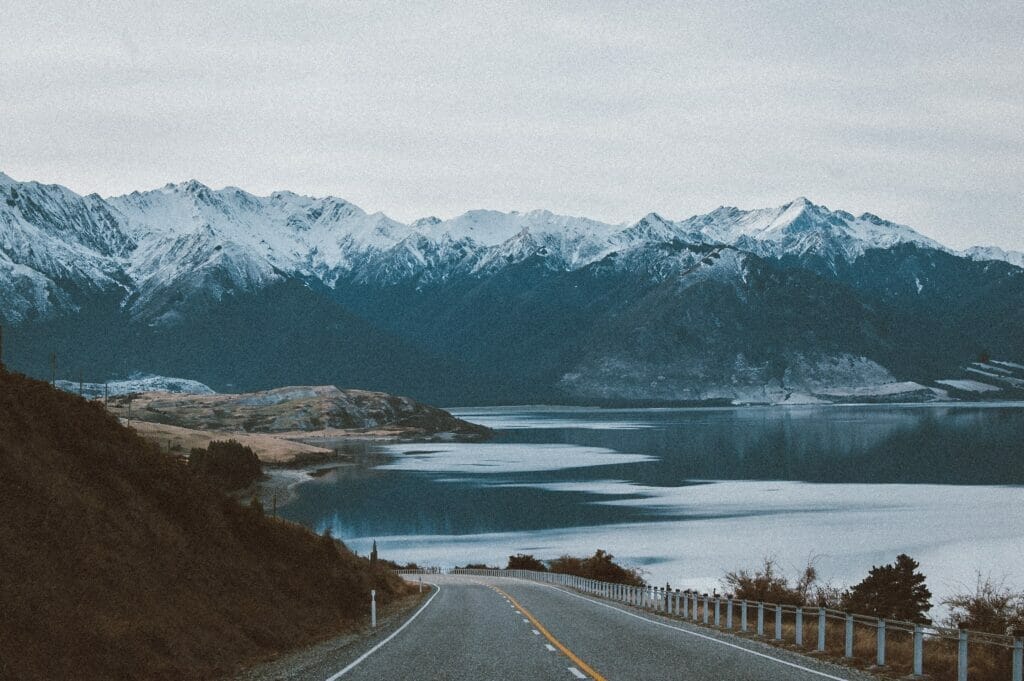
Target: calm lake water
x=686 y=494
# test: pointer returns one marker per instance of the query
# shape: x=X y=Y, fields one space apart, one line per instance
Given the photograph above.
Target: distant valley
x=792 y=304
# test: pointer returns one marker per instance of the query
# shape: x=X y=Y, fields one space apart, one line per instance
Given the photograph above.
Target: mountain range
x=243 y=292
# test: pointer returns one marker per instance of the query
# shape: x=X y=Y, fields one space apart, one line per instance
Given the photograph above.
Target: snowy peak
x=803 y=228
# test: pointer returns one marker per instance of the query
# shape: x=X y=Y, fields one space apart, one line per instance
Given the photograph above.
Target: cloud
x=604 y=109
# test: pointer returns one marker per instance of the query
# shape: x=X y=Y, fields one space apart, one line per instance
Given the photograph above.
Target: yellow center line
x=583 y=666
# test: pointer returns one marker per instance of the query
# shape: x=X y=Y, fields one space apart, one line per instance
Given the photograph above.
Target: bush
x=524 y=561
x=992 y=607
x=895 y=591
x=601 y=566
x=771 y=586
x=227 y=464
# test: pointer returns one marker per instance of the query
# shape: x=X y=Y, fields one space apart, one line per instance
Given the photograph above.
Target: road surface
x=481 y=628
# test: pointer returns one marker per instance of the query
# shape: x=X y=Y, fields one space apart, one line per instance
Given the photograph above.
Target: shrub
x=601 y=566
x=992 y=607
x=895 y=591
x=524 y=561
x=768 y=584
x=227 y=464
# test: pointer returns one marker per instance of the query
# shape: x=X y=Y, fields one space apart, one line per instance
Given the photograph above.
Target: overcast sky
x=913 y=111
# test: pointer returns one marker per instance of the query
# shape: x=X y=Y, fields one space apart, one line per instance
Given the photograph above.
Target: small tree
x=895 y=591
x=524 y=561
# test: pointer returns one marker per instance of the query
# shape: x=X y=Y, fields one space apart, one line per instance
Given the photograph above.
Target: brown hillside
x=116 y=564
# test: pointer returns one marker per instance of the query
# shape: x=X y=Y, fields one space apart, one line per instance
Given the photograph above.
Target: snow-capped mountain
x=232 y=288
x=188 y=244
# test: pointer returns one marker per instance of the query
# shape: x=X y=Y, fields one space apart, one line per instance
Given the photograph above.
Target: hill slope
x=115 y=563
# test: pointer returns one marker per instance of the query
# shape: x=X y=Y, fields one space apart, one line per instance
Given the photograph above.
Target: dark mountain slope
x=288 y=333
x=732 y=327
x=939 y=310
x=116 y=564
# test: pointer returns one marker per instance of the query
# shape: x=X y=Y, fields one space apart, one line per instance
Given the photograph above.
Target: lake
x=686 y=494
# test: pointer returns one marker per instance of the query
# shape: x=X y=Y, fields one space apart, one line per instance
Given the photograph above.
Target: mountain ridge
x=489 y=305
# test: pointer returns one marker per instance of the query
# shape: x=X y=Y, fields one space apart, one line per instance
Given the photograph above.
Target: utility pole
x=53 y=369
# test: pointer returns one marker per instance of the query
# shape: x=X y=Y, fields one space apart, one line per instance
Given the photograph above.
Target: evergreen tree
x=895 y=591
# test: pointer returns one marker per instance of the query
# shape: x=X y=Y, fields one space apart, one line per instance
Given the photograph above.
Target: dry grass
x=271 y=449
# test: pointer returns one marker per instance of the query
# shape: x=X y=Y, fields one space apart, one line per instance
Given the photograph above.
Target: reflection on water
x=544 y=465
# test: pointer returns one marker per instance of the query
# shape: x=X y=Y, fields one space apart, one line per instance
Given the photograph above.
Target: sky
x=913 y=111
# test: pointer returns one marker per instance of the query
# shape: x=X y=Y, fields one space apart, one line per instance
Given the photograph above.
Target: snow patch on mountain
x=1015 y=258
x=137 y=383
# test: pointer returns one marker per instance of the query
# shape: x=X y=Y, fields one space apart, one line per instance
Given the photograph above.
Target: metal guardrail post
x=693 y=611
x=918 y=650
x=686 y=604
x=728 y=613
x=848 y=647
x=1018 y=660
x=718 y=611
x=778 y=622
x=760 y=618
x=799 y=626
x=880 y=644
x=706 y=613
x=743 y=616
x=675 y=606
x=961 y=657
x=821 y=629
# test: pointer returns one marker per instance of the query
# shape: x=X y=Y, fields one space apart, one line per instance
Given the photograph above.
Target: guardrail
x=904 y=647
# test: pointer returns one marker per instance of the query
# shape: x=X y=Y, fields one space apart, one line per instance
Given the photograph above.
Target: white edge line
x=577 y=673
x=696 y=634
x=380 y=645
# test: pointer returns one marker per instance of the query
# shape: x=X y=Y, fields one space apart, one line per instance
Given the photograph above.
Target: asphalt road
x=477 y=628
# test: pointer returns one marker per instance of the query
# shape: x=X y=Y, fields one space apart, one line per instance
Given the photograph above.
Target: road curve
x=490 y=628
x=481 y=628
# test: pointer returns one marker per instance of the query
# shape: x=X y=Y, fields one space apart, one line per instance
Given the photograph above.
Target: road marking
x=577 y=673
x=380 y=645
x=696 y=634
x=526 y=621
x=549 y=647
x=536 y=633
x=558 y=644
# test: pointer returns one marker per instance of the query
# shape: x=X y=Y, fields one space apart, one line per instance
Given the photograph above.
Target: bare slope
x=116 y=564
